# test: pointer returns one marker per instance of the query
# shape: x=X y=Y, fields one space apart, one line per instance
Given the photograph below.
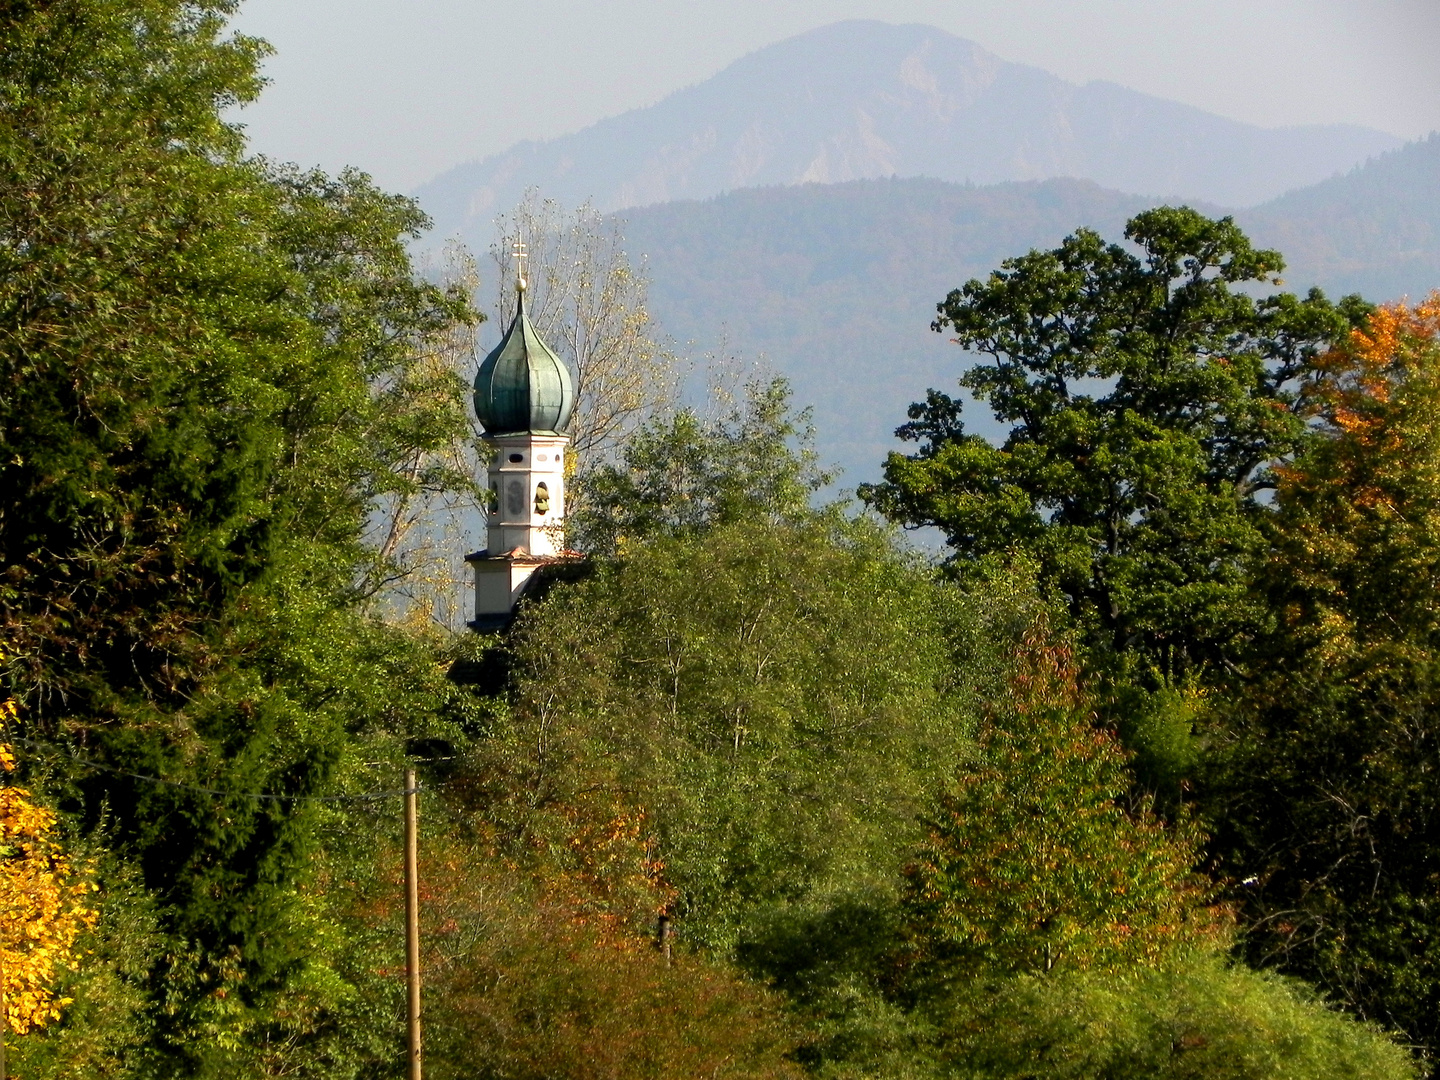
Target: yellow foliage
x=1364 y=503
x=42 y=908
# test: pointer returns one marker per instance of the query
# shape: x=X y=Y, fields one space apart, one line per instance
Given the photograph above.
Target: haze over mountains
x=832 y=273
x=857 y=100
x=1375 y=231
x=836 y=284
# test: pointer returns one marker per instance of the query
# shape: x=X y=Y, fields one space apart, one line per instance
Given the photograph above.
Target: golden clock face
x=542 y=499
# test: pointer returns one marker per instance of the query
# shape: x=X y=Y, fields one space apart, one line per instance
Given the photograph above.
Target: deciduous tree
x=589 y=301
x=1033 y=859
x=683 y=475
x=42 y=908
x=1325 y=745
x=211 y=368
x=1196 y=1018
x=1147 y=396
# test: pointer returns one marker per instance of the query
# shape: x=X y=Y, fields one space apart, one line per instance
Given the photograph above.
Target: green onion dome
x=522 y=385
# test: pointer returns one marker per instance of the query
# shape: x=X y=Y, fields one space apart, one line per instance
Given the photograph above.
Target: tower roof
x=522 y=385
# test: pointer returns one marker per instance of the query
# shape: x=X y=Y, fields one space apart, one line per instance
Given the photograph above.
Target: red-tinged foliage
x=1033 y=860
x=549 y=996
x=535 y=973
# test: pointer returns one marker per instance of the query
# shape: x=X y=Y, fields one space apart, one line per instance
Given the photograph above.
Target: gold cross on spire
x=520 y=253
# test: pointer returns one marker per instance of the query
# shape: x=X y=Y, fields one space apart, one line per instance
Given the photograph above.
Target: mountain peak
x=863 y=99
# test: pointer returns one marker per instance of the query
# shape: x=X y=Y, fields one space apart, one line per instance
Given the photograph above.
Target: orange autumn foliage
x=1045 y=674
x=1363 y=504
x=1356 y=382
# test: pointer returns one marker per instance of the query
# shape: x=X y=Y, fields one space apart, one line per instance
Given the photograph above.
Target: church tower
x=524 y=396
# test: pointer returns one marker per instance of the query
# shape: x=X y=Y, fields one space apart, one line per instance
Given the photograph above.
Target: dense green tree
x=209 y=372
x=1049 y=927
x=1324 y=744
x=770 y=685
x=1196 y=1017
x=774 y=698
x=1147 y=393
x=205 y=357
x=682 y=475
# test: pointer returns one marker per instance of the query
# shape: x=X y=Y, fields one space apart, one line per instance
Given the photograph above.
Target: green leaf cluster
x=1033 y=862
x=1198 y=1017
x=682 y=475
x=747 y=688
x=1148 y=392
x=211 y=371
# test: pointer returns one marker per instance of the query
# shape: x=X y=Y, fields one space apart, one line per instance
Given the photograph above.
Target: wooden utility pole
x=412 y=921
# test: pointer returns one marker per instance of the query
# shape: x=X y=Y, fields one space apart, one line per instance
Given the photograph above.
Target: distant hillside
x=867 y=99
x=1375 y=231
x=837 y=283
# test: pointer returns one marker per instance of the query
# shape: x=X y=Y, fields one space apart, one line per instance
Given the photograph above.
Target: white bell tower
x=527 y=494
x=524 y=396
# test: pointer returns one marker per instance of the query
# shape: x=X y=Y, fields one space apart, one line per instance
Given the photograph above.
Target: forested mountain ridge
x=836 y=284
x=866 y=99
x=1375 y=230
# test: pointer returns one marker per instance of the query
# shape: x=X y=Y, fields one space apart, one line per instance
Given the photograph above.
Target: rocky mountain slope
x=858 y=100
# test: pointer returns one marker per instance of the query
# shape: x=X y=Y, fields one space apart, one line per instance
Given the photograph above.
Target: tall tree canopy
x=1326 y=743
x=769 y=684
x=682 y=475
x=209 y=373
x=1147 y=396
x=204 y=356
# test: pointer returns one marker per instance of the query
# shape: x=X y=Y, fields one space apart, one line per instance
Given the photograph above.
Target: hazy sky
x=407 y=88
